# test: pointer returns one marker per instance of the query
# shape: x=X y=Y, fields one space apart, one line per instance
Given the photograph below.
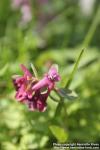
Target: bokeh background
x=44 y=32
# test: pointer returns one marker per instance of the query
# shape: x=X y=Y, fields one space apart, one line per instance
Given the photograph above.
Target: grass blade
x=74 y=69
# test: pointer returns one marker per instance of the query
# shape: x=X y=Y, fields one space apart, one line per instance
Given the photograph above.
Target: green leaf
x=59 y=133
x=67 y=93
x=74 y=69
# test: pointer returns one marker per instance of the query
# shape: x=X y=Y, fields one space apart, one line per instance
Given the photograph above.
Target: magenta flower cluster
x=30 y=90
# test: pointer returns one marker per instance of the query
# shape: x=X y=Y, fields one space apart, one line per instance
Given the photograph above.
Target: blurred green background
x=57 y=32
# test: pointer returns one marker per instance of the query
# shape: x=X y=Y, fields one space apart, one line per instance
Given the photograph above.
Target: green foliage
x=57 y=41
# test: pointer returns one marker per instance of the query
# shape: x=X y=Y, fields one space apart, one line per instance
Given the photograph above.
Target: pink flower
x=26 y=14
x=23 y=85
x=29 y=89
x=25 y=8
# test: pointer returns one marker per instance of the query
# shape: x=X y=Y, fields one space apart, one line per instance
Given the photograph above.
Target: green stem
x=59 y=107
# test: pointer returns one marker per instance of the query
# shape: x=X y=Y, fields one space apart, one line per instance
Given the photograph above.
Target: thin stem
x=59 y=107
x=74 y=70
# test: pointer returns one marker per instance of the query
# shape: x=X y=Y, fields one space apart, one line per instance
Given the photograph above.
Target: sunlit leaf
x=59 y=133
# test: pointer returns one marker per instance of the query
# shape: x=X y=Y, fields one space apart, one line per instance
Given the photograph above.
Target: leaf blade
x=67 y=93
x=34 y=70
